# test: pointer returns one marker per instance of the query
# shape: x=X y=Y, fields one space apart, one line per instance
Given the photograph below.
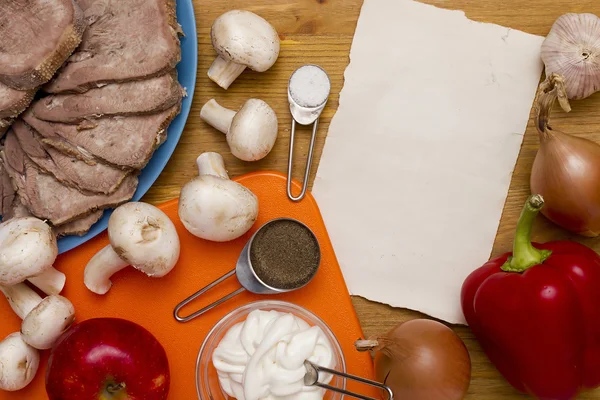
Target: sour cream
x=263 y=357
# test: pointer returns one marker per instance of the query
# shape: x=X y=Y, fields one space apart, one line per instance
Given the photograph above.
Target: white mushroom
x=212 y=207
x=242 y=40
x=251 y=132
x=19 y=363
x=140 y=235
x=27 y=251
x=44 y=320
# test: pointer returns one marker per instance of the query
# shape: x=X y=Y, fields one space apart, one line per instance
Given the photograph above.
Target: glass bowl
x=207 y=382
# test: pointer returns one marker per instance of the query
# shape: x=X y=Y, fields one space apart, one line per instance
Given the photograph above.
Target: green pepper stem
x=524 y=254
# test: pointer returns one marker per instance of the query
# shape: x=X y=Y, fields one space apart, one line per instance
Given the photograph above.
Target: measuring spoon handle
x=308 y=162
x=312 y=379
x=201 y=292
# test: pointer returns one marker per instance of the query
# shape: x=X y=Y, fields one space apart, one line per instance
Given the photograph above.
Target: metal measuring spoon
x=246 y=276
x=311 y=378
x=308 y=91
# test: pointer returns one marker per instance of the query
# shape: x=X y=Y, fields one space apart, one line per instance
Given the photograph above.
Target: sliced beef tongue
x=4 y=124
x=93 y=177
x=13 y=102
x=3 y=185
x=36 y=37
x=125 y=40
x=79 y=226
x=14 y=157
x=7 y=193
x=12 y=207
x=136 y=97
x=49 y=199
x=11 y=204
x=16 y=210
x=126 y=142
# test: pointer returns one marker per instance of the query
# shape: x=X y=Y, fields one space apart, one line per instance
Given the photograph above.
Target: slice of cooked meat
x=49 y=199
x=11 y=207
x=15 y=209
x=125 y=40
x=136 y=97
x=36 y=37
x=79 y=226
x=7 y=193
x=13 y=102
x=15 y=157
x=3 y=175
x=10 y=203
x=4 y=124
x=94 y=177
x=19 y=136
x=126 y=142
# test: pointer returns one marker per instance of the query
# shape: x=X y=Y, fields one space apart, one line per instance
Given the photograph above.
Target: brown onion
x=566 y=170
x=421 y=360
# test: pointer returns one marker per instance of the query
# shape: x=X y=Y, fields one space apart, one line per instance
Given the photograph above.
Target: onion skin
x=422 y=360
x=566 y=170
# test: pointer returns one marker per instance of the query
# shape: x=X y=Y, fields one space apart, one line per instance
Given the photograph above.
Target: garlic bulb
x=572 y=49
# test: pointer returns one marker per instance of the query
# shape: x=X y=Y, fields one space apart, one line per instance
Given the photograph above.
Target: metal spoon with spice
x=282 y=256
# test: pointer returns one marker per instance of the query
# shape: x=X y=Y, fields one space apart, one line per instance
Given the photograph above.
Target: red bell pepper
x=536 y=313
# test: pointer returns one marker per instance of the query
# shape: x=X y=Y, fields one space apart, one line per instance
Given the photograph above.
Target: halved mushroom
x=251 y=132
x=44 y=320
x=19 y=363
x=140 y=235
x=212 y=207
x=27 y=251
x=242 y=40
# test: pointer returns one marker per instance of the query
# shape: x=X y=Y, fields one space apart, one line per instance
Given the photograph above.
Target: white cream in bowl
x=262 y=358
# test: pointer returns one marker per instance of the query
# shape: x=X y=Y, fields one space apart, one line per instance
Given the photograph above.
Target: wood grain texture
x=320 y=32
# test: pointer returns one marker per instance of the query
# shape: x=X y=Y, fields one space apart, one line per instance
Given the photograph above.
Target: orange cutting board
x=150 y=301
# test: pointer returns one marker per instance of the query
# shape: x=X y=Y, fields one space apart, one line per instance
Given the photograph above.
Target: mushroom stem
x=211 y=164
x=141 y=235
x=217 y=116
x=101 y=267
x=51 y=281
x=21 y=298
x=44 y=320
x=224 y=72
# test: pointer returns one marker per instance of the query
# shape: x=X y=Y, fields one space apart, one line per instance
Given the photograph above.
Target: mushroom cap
x=27 y=248
x=144 y=237
x=253 y=131
x=19 y=363
x=47 y=321
x=217 y=209
x=245 y=38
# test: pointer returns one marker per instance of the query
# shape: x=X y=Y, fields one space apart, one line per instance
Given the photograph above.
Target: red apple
x=107 y=359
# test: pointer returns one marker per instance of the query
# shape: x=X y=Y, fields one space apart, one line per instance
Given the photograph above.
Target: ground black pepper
x=285 y=254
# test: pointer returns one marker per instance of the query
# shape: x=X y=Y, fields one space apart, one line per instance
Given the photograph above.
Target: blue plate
x=187 y=77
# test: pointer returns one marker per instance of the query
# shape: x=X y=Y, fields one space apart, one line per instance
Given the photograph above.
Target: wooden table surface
x=320 y=32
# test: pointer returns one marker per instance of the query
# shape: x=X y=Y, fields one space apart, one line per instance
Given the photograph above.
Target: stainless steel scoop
x=308 y=91
x=246 y=276
x=311 y=378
